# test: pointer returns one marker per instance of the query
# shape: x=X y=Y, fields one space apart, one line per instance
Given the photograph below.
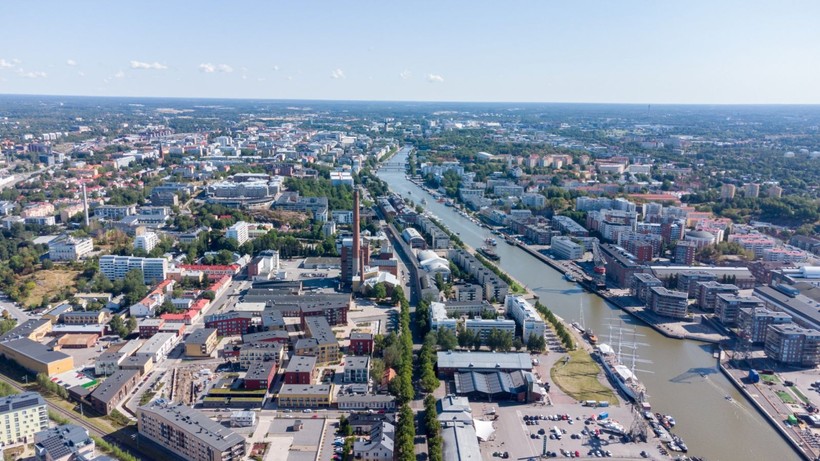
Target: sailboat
x=621 y=375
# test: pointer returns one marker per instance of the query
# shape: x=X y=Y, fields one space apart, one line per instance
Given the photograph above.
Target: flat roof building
x=201 y=342
x=450 y=362
x=24 y=415
x=181 y=429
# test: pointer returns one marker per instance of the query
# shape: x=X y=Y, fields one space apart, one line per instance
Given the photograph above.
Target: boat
x=488 y=253
x=424 y=201
x=591 y=337
x=578 y=327
x=491 y=241
x=679 y=442
x=729 y=398
x=671 y=420
x=569 y=277
x=621 y=375
x=510 y=240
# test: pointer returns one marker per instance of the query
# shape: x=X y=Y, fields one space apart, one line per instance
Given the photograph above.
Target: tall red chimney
x=357 y=244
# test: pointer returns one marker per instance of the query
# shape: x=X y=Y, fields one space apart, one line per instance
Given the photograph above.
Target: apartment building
x=146 y=242
x=201 y=342
x=238 y=232
x=306 y=396
x=319 y=329
x=181 y=429
x=753 y=322
x=115 y=267
x=357 y=369
x=68 y=248
x=728 y=306
x=483 y=327
x=525 y=316
x=668 y=303
x=791 y=344
x=22 y=416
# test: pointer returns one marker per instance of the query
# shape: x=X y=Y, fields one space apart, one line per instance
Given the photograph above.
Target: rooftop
x=301 y=364
x=21 y=401
x=314 y=389
x=113 y=384
x=195 y=424
x=354 y=362
x=200 y=336
x=493 y=360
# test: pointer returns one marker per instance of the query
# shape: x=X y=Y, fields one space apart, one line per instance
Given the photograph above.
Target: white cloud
x=70 y=62
x=81 y=74
x=209 y=68
x=435 y=78
x=147 y=65
x=276 y=68
x=405 y=74
x=33 y=74
x=260 y=79
x=8 y=64
x=119 y=74
x=337 y=74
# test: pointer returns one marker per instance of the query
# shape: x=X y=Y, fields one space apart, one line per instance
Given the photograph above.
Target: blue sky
x=540 y=51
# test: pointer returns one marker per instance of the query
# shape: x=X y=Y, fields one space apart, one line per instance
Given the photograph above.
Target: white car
x=307 y=410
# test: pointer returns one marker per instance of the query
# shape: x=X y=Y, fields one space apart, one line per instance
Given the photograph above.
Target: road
x=13 y=309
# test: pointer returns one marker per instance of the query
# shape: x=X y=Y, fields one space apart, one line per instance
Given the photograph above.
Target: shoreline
x=638 y=314
x=760 y=409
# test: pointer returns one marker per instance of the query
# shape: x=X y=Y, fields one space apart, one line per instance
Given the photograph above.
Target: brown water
x=682 y=379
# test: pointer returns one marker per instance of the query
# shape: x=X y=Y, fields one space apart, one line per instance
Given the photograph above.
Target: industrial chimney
x=357 y=242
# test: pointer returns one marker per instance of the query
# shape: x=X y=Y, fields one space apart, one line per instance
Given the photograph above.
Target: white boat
x=621 y=375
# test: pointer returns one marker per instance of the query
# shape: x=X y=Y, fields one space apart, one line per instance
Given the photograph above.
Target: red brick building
x=300 y=370
x=260 y=375
x=361 y=344
x=230 y=323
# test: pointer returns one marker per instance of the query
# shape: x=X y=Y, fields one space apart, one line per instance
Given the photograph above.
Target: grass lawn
x=785 y=397
x=48 y=283
x=579 y=378
x=770 y=378
x=800 y=395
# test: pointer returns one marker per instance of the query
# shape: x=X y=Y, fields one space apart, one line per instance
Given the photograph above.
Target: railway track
x=122 y=440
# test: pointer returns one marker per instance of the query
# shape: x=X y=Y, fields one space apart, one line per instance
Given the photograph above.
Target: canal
x=682 y=378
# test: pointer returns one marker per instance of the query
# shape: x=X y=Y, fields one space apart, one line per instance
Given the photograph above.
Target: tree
x=133 y=286
x=377 y=369
x=379 y=291
x=536 y=343
x=446 y=339
x=465 y=337
x=517 y=344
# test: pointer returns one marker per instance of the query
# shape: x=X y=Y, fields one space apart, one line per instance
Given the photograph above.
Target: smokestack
x=357 y=245
x=85 y=206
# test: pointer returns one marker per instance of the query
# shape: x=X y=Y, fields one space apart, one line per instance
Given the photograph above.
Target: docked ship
x=488 y=253
x=591 y=337
x=569 y=277
x=491 y=241
x=621 y=375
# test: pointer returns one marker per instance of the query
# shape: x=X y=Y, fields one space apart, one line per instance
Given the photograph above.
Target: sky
x=689 y=52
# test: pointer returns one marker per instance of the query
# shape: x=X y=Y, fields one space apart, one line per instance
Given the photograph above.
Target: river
x=682 y=378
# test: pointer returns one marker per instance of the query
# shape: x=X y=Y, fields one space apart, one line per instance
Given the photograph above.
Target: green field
x=785 y=397
x=578 y=378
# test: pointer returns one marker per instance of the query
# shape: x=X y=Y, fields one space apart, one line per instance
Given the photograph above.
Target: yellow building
x=306 y=395
x=201 y=343
x=36 y=357
x=22 y=416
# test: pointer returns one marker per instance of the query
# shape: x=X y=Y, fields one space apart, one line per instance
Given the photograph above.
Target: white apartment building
x=483 y=327
x=22 y=416
x=67 y=248
x=146 y=241
x=565 y=248
x=115 y=267
x=238 y=232
x=525 y=315
x=440 y=319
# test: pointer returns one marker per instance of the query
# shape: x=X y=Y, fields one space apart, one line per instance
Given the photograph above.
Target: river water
x=682 y=378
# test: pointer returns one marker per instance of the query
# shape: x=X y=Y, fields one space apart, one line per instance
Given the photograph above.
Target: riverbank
x=670 y=329
x=765 y=406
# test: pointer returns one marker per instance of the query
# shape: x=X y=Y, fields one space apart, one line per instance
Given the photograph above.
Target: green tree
x=446 y=339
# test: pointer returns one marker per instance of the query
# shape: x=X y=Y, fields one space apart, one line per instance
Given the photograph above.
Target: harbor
x=685 y=381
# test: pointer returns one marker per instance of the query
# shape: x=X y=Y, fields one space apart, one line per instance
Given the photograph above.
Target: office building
x=181 y=429
x=23 y=415
x=115 y=267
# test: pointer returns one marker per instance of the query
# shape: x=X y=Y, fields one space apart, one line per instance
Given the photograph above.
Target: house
x=379 y=446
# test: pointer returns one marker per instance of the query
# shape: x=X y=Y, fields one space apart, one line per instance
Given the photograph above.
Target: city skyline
x=593 y=52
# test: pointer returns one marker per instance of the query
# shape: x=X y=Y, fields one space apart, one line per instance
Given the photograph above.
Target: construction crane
x=599 y=268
